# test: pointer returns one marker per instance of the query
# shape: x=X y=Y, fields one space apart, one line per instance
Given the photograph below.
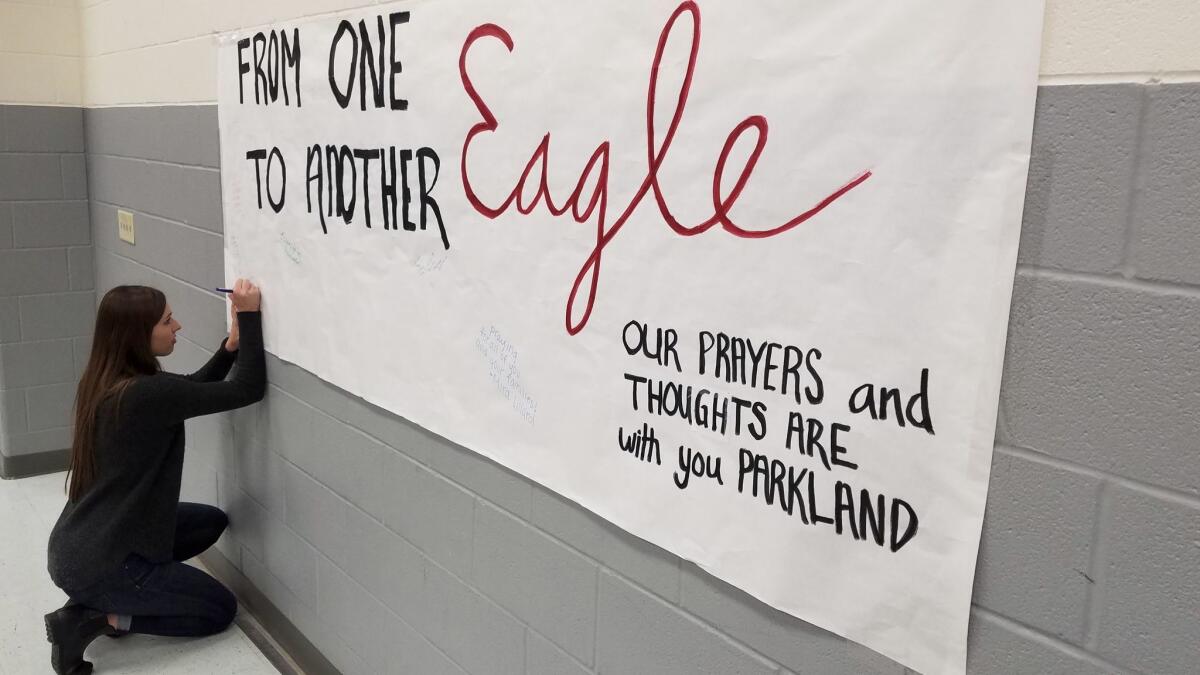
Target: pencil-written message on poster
x=733 y=276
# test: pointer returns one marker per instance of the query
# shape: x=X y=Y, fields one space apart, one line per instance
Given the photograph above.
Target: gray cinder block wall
x=47 y=299
x=393 y=550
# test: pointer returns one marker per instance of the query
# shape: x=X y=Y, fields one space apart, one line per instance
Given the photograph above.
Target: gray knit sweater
x=130 y=508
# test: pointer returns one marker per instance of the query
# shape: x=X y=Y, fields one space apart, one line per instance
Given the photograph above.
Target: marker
x=225 y=290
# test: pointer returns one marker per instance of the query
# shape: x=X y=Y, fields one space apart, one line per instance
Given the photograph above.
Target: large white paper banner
x=732 y=275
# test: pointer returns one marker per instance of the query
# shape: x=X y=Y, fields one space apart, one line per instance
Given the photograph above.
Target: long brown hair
x=120 y=351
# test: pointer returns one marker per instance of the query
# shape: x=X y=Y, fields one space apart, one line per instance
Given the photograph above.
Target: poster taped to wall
x=733 y=276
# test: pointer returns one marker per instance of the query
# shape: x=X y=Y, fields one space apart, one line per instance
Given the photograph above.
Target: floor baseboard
x=35 y=464
x=266 y=618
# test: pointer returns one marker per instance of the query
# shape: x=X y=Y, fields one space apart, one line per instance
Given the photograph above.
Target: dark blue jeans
x=169 y=598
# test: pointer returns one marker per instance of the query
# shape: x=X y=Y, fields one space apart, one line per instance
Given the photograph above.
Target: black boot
x=70 y=630
x=112 y=633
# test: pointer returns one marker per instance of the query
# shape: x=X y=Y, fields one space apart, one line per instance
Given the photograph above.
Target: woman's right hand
x=246 y=296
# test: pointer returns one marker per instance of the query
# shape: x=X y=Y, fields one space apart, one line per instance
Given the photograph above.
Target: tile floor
x=28 y=509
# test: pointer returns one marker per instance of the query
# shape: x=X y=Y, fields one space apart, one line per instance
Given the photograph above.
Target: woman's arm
x=222 y=360
x=167 y=400
x=217 y=367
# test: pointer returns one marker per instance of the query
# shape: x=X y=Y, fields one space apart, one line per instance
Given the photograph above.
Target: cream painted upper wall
x=39 y=52
x=1135 y=38
x=162 y=51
